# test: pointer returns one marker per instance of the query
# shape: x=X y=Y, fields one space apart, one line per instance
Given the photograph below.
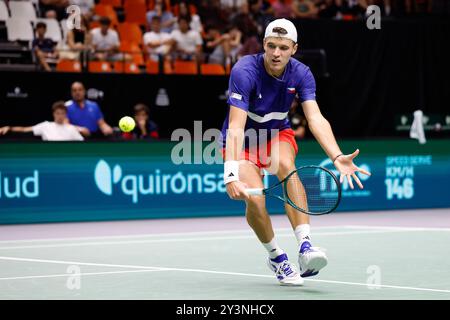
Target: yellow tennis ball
x=126 y=124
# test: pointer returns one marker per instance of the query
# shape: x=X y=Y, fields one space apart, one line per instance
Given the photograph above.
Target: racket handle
x=254 y=191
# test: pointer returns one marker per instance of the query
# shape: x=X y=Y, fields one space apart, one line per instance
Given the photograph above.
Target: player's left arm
x=105 y=128
x=321 y=129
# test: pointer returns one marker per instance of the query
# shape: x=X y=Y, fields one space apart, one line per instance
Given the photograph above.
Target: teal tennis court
x=376 y=255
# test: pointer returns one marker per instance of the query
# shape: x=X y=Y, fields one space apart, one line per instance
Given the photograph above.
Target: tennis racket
x=312 y=190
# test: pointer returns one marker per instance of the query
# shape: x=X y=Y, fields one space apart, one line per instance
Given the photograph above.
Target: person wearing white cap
x=262 y=88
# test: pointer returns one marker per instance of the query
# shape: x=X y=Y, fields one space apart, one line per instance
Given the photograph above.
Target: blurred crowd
x=207 y=31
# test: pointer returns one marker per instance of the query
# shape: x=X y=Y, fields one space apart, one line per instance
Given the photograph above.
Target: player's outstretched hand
x=348 y=169
x=236 y=190
x=4 y=130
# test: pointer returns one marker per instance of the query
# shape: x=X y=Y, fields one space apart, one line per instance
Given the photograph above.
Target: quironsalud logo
x=112 y=179
x=346 y=191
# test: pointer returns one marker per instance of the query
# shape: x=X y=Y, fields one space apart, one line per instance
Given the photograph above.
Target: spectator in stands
x=230 y=7
x=57 y=130
x=222 y=48
x=77 y=42
x=187 y=44
x=194 y=20
x=44 y=48
x=297 y=120
x=166 y=17
x=85 y=113
x=211 y=14
x=145 y=128
x=282 y=9
x=244 y=22
x=157 y=43
x=105 y=42
x=261 y=12
x=53 y=9
x=305 y=9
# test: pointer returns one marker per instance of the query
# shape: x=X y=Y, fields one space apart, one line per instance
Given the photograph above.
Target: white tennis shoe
x=285 y=272
x=311 y=260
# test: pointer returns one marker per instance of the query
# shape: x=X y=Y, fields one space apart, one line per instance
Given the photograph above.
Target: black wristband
x=341 y=154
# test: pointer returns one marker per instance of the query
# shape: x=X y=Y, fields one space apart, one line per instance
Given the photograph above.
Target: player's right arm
x=234 y=143
x=7 y=129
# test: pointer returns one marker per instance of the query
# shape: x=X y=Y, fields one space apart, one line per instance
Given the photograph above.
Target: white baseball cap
x=287 y=28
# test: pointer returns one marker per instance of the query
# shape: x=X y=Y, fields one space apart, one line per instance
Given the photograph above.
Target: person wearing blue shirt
x=85 y=113
x=44 y=48
x=262 y=88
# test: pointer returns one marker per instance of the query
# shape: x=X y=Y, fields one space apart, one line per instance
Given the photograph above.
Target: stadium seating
x=133 y=49
x=22 y=9
x=99 y=66
x=19 y=29
x=68 y=66
x=211 y=69
x=4 y=14
x=126 y=67
x=130 y=32
x=184 y=67
x=135 y=12
x=105 y=10
x=114 y=3
x=152 y=67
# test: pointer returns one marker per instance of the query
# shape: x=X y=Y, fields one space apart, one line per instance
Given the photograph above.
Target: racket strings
x=313 y=190
x=296 y=192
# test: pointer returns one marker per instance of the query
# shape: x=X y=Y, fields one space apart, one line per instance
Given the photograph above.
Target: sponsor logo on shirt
x=235 y=95
x=291 y=90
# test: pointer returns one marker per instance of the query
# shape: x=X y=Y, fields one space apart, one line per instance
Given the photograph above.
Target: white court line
x=166 y=234
x=80 y=263
x=396 y=228
x=218 y=272
x=77 y=274
x=250 y=236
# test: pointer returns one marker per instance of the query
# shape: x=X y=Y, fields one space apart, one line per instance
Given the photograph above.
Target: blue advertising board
x=73 y=182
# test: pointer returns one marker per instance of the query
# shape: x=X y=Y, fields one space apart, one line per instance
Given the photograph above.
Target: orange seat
x=131 y=2
x=99 y=66
x=136 y=13
x=228 y=68
x=134 y=50
x=130 y=32
x=167 y=67
x=212 y=69
x=114 y=3
x=152 y=67
x=68 y=66
x=126 y=67
x=94 y=24
x=106 y=10
x=185 y=67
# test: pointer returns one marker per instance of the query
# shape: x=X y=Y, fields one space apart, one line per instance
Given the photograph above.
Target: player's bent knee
x=285 y=166
x=256 y=204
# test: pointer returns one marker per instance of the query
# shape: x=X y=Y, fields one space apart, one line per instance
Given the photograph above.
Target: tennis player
x=261 y=90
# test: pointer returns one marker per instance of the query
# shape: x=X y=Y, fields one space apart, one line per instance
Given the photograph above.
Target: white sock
x=302 y=233
x=273 y=249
